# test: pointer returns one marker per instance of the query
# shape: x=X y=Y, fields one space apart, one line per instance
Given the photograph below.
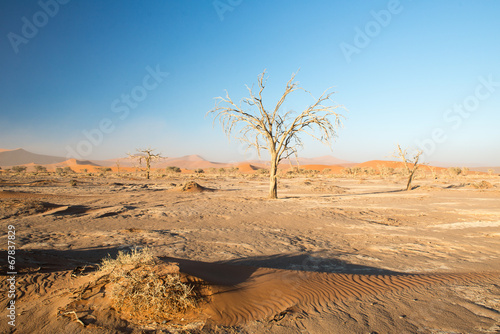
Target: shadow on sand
x=238 y=270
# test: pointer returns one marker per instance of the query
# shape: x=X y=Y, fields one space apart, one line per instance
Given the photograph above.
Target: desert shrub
x=222 y=170
x=262 y=171
x=59 y=170
x=384 y=170
x=144 y=288
x=481 y=185
x=370 y=171
x=39 y=168
x=297 y=170
x=68 y=170
x=199 y=171
x=73 y=183
x=465 y=171
x=19 y=169
x=352 y=171
x=454 y=171
x=104 y=170
x=172 y=169
x=84 y=170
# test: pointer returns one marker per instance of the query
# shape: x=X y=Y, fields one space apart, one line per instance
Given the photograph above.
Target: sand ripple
x=242 y=294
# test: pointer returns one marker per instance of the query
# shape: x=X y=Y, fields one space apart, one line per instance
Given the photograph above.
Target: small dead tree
x=118 y=164
x=146 y=155
x=410 y=163
x=273 y=130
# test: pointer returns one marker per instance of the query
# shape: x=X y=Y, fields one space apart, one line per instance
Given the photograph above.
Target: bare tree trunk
x=148 y=167
x=273 y=179
x=410 y=178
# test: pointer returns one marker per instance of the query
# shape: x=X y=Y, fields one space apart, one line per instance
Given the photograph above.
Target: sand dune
x=323 y=160
x=75 y=165
x=9 y=158
x=247 y=168
x=242 y=294
x=377 y=163
x=234 y=295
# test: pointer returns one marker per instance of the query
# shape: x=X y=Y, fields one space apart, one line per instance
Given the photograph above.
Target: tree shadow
x=52 y=260
x=236 y=271
x=227 y=273
x=309 y=261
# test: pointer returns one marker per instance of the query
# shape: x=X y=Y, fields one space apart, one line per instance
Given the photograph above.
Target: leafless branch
x=274 y=131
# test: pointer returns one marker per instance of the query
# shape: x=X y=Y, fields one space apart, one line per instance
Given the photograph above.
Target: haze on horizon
x=120 y=76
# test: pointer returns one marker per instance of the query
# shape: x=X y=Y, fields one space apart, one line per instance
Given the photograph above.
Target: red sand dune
x=247 y=168
x=315 y=167
x=75 y=165
x=380 y=163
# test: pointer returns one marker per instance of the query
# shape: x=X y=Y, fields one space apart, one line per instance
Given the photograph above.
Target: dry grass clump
x=481 y=185
x=144 y=289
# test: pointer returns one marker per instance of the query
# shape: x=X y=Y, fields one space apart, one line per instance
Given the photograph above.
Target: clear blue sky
x=427 y=74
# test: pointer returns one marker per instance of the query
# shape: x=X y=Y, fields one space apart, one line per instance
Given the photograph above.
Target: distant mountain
x=193 y=158
x=189 y=162
x=22 y=157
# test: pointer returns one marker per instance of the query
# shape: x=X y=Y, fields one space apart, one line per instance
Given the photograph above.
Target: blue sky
x=419 y=73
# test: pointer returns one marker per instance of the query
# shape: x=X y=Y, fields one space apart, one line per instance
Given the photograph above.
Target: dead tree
x=410 y=163
x=146 y=155
x=274 y=130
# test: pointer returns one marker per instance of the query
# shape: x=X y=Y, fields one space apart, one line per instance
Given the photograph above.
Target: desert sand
x=334 y=254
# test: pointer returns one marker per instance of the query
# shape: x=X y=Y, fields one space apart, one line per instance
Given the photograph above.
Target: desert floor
x=278 y=264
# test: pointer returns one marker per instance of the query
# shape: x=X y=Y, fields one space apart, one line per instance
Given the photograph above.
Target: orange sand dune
x=379 y=163
x=75 y=165
x=315 y=167
x=243 y=293
x=247 y=168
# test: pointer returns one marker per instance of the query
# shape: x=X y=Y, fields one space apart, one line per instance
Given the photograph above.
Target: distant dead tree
x=410 y=163
x=118 y=164
x=274 y=130
x=146 y=155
